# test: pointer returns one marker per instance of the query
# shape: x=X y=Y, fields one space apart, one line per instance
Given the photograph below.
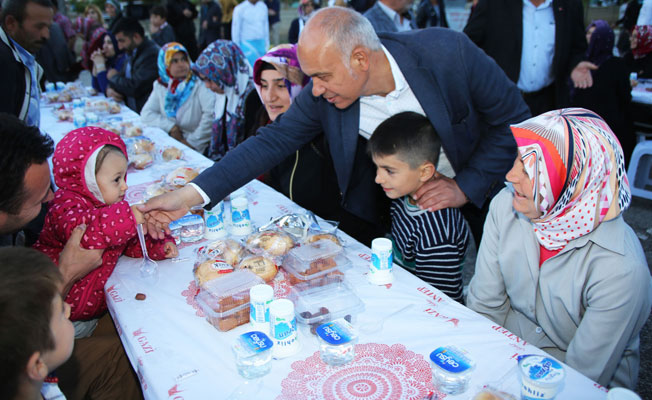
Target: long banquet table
x=177 y=354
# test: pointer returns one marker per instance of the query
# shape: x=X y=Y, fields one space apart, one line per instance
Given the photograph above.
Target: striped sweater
x=431 y=245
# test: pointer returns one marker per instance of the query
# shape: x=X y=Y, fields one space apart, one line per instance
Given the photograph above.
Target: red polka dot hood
x=74 y=160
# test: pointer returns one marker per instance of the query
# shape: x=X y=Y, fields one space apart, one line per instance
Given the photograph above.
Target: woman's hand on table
x=177 y=134
x=76 y=262
x=161 y=210
x=171 y=250
x=441 y=192
x=114 y=95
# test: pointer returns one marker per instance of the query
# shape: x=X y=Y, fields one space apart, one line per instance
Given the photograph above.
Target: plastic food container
x=252 y=351
x=317 y=305
x=175 y=231
x=192 y=228
x=541 y=377
x=225 y=301
x=451 y=369
x=316 y=264
x=337 y=340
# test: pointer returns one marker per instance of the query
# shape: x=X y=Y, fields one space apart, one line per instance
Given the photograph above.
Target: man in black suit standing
x=538 y=43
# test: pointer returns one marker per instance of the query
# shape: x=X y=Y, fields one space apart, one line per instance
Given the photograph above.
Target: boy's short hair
x=159 y=10
x=22 y=146
x=128 y=26
x=30 y=281
x=409 y=136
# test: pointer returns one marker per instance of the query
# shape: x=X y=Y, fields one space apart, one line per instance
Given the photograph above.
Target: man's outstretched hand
x=159 y=211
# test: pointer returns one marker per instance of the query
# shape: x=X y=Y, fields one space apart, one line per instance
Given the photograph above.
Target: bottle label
x=256 y=341
x=335 y=332
x=450 y=360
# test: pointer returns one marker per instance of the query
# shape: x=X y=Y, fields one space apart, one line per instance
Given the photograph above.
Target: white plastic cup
x=541 y=377
x=215 y=222
x=382 y=259
x=50 y=87
x=283 y=328
x=260 y=297
x=619 y=393
x=240 y=218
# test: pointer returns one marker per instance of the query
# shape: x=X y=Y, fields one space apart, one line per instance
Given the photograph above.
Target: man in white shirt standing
x=538 y=43
x=250 y=29
x=391 y=16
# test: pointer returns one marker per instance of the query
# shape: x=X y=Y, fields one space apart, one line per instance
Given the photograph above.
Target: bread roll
x=261 y=266
x=273 y=243
x=320 y=236
x=211 y=269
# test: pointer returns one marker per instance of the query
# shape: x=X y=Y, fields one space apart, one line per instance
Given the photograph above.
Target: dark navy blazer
x=466 y=96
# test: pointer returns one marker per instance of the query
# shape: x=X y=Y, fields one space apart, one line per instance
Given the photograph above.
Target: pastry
x=211 y=269
x=132 y=131
x=180 y=176
x=229 y=250
x=273 y=243
x=114 y=108
x=141 y=161
x=143 y=146
x=261 y=266
x=320 y=236
x=172 y=153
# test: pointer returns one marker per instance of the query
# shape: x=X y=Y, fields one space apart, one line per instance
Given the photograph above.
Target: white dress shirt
x=402 y=24
x=538 y=46
x=250 y=22
x=376 y=109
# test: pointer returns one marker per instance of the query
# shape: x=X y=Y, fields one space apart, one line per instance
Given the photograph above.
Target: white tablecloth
x=641 y=94
x=179 y=355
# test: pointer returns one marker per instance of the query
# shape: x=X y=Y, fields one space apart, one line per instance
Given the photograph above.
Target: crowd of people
x=514 y=133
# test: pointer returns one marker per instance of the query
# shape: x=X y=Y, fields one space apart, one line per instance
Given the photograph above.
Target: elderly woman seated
x=179 y=103
x=558 y=266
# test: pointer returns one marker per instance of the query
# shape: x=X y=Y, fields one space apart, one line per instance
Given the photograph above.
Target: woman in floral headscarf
x=558 y=266
x=179 y=103
x=610 y=96
x=639 y=59
x=308 y=176
x=225 y=71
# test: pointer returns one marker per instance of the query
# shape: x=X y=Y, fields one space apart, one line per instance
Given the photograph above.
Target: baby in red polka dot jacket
x=89 y=167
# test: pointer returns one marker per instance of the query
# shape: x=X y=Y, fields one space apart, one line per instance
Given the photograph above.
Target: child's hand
x=138 y=216
x=171 y=250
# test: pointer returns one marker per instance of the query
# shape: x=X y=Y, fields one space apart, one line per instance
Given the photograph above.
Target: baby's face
x=396 y=177
x=111 y=178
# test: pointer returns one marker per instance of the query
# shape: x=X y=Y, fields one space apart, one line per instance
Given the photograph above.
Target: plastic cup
x=283 y=328
x=215 y=222
x=240 y=218
x=252 y=351
x=619 y=393
x=380 y=268
x=260 y=297
x=541 y=377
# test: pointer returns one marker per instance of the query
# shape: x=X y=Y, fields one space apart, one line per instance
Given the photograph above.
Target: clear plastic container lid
x=252 y=343
x=229 y=291
x=189 y=220
x=212 y=313
x=325 y=303
x=314 y=260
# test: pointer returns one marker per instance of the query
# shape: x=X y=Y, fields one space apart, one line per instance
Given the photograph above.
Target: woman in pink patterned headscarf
x=89 y=167
x=558 y=266
x=639 y=59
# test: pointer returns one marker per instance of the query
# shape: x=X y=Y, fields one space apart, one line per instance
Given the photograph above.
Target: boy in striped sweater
x=431 y=245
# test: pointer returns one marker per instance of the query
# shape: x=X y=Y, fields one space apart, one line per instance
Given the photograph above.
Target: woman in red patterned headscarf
x=558 y=266
x=639 y=59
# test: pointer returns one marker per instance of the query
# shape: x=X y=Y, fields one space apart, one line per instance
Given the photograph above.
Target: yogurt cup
x=541 y=377
x=619 y=393
x=380 y=268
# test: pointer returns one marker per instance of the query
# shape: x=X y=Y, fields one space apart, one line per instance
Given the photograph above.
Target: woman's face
x=214 y=87
x=107 y=48
x=523 y=198
x=179 y=66
x=92 y=13
x=589 y=33
x=274 y=93
x=633 y=41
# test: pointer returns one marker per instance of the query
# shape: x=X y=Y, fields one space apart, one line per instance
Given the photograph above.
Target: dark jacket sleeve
x=577 y=36
x=477 y=24
x=293 y=33
x=144 y=72
x=214 y=17
x=258 y=154
x=499 y=104
x=13 y=83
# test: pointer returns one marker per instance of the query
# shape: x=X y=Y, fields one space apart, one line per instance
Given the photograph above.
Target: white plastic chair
x=640 y=167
